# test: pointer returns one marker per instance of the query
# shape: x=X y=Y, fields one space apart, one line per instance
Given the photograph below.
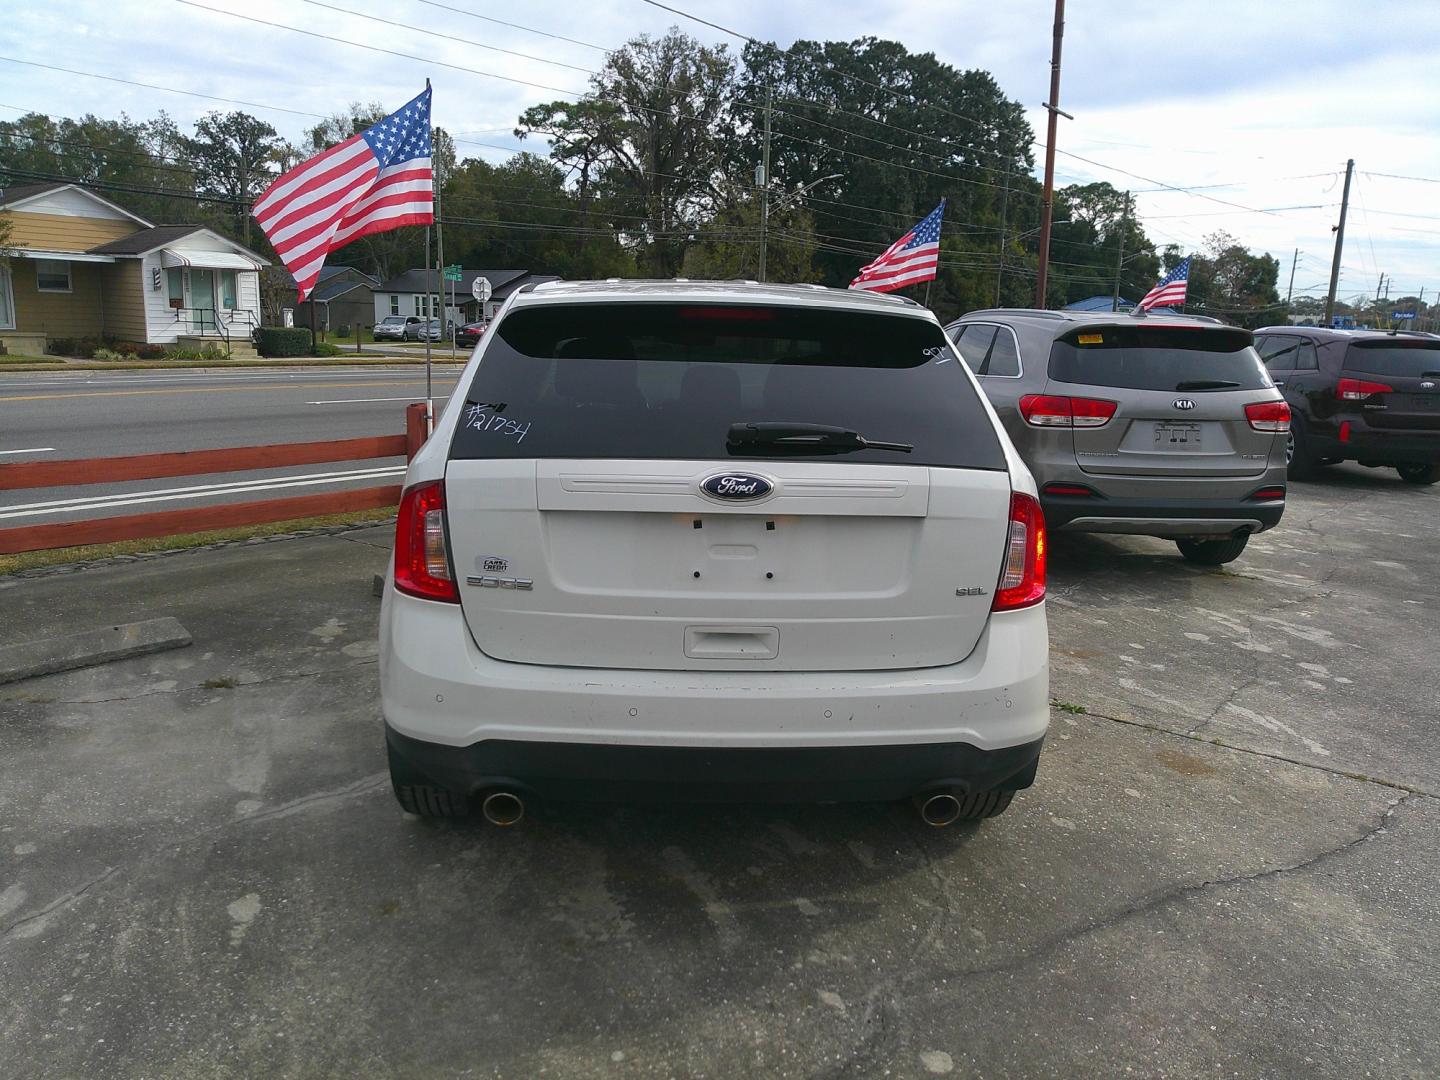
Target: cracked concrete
x=215 y=881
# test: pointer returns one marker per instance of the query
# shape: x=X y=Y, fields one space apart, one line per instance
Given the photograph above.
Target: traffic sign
x=452 y=273
x=1402 y=314
x=480 y=289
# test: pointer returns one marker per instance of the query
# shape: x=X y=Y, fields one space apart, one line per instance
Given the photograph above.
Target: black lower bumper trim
x=607 y=772
x=1060 y=510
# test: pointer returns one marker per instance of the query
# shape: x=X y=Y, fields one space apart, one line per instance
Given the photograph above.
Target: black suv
x=1370 y=396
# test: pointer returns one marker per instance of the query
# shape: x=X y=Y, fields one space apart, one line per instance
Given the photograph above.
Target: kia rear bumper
x=1378 y=445
x=1171 y=518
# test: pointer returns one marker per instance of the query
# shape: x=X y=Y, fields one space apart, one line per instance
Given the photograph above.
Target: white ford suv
x=715 y=541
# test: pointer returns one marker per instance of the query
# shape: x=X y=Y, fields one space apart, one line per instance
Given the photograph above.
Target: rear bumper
x=582 y=771
x=1376 y=444
x=437 y=687
x=1171 y=518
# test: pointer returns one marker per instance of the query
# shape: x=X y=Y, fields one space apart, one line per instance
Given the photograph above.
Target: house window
x=175 y=283
x=52 y=275
x=394 y=303
x=419 y=305
x=227 y=290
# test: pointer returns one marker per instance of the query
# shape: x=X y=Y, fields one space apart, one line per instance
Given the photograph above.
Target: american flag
x=372 y=182
x=1171 y=289
x=910 y=260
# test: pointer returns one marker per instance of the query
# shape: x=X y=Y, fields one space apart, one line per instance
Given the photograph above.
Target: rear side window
x=1165 y=358
x=636 y=380
x=1287 y=353
x=1399 y=358
x=974 y=343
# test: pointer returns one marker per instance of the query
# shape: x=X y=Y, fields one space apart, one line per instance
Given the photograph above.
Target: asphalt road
x=1226 y=867
x=60 y=416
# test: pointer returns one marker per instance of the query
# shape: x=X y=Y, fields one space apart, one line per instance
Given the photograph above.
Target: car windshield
x=1164 y=358
x=393 y=320
x=652 y=380
x=1400 y=358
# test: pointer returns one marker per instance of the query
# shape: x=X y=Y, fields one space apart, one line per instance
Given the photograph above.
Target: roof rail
x=1037 y=313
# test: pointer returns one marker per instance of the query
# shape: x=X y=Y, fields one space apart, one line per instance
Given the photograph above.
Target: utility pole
x=1120 y=253
x=1000 y=265
x=1047 y=204
x=1339 y=244
x=764 y=186
x=1291 y=291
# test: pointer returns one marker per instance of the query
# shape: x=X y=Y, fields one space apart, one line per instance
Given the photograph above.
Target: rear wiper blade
x=818 y=438
x=1206 y=384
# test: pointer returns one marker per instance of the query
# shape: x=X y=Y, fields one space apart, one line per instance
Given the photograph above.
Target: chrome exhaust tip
x=939 y=809
x=503 y=808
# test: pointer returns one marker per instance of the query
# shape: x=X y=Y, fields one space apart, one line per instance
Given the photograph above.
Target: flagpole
x=927 y=291
x=429 y=389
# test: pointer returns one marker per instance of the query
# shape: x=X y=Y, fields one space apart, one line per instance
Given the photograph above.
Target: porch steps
x=241 y=348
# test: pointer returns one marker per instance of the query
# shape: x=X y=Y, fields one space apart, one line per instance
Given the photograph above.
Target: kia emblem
x=737 y=487
x=1184 y=404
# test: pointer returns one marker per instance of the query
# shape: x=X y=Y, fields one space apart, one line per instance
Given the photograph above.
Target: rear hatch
x=1178 y=393
x=1399 y=382
x=602 y=512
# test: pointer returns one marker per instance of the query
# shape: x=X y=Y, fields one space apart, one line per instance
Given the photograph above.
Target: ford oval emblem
x=1183 y=403
x=737 y=486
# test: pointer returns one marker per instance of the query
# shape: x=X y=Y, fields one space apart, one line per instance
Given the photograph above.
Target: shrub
x=282 y=341
x=324 y=348
x=110 y=354
x=150 y=352
x=208 y=352
x=343 y=330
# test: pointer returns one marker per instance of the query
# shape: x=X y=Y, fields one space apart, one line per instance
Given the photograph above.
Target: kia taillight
x=1360 y=389
x=1022 y=582
x=1074 y=490
x=1268 y=415
x=1268 y=494
x=422 y=561
x=1049 y=410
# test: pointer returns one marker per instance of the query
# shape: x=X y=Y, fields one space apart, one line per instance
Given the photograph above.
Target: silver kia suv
x=1156 y=425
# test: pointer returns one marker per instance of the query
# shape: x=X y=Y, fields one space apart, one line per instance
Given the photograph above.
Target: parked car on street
x=1370 y=396
x=1153 y=425
x=715 y=541
x=395 y=327
x=424 y=330
x=469 y=335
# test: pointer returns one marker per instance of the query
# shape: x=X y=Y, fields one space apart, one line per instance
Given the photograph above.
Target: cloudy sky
x=1250 y=106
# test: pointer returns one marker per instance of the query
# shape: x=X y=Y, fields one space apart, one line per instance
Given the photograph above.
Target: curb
x=31 y=659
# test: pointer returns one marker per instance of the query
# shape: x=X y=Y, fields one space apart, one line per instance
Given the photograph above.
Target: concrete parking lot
x=1228 y=864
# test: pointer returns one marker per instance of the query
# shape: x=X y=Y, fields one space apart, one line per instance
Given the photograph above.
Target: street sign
x=452 y=273
x=480 y=289
x=1402 y=314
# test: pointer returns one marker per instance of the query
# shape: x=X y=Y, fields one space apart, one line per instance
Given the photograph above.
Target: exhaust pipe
x=503 y=808
x=939 y=809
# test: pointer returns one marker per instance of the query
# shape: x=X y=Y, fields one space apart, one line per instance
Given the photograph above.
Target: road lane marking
x=32 y=450
x=236 y=487
x=197 y=390
x=367 y=400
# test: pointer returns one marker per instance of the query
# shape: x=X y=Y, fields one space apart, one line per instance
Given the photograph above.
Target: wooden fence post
x=414 y=429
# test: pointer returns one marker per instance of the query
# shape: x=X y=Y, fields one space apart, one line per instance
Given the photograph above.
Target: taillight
x=1268 y=415
x=1022 y=582
x=1049 y=410
x=1268 y=494
x=422 y=562
x=1360 y=389
x=1077 y=490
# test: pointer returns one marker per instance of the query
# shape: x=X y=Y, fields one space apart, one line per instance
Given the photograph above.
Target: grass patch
x=1069 y=707
x=34 y=560
x=16 y=358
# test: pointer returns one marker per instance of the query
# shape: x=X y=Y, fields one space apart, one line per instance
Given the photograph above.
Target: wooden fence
x=105 y=530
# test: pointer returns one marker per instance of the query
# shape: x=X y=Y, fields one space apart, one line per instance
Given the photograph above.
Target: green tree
x=651 y=139
x=234 y=157
x=903 y=130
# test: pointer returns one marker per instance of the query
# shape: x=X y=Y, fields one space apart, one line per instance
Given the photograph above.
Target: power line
x=515 y=26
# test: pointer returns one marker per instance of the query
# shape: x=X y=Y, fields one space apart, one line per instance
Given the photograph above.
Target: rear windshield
x=631 y=380
x=1400 y=359
x=1165 y=358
